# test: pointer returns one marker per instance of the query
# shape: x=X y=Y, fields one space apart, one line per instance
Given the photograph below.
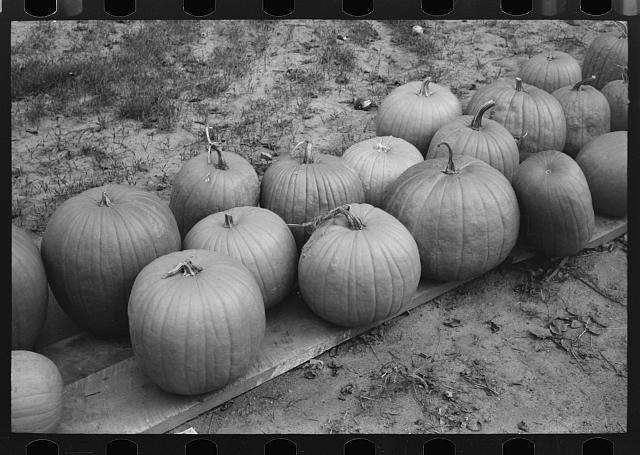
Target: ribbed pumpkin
x=604 y=164
x=301 y=186
x=36 y=393
x=617 y=94
x=462 y=212
x=551 y=70
x=557 y=215
x=488 y=141
x=196 y=319
x=587 y=112
x=527 y=112
x=29 y=290
x=94 y=246
x=414 y=112
x=606 y=55
x=210 y=183
x=259 y=238
x=359 y=267
x=378 y=162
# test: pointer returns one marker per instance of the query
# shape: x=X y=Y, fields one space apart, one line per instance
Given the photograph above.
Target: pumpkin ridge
x=76 y=261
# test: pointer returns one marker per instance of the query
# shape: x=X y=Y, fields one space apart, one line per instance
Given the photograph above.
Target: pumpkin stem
x=355 y=223
x=228 y=220
x=476 y=123
x=105 y=200
x=380 y=147
x=424 y=90
x=583 y=82
x=187 y=268
x=307 y=156
x=451 y=167
x=623 y=28
x=222 y=164
x=518 y=84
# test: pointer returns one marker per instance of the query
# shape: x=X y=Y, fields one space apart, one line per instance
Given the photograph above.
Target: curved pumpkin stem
x=355 y=223
x=105 y=200
x=451 y=167
x=476 y=123
x=518 y=84
x=186 y=267
x=424 y=90
x=228 y=220
x=221 y=164
x=623 y=28
x=583 y=82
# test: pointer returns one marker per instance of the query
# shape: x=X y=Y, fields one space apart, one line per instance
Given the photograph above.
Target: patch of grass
x=423 y=45
x=362 y=32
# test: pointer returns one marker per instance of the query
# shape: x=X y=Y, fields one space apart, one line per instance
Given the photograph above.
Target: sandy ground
x=479 y=359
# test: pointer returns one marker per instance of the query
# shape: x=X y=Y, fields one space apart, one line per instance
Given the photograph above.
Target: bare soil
x=540 y=347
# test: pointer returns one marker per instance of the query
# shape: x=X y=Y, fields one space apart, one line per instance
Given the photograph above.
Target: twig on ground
x=557 y=269
x=597 y=289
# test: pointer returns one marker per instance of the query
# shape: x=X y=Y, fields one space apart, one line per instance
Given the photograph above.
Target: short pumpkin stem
x=424 y=90
x=380 y=147
x=105 y=200
x=583 y=82
x=307 y=155
x=228 y=220
x=221 y=164
x=518 y=84
x=476 y=123
x=451 y=167
x=186 y=267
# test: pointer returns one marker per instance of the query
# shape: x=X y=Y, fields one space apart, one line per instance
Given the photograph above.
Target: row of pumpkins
x=190 y=282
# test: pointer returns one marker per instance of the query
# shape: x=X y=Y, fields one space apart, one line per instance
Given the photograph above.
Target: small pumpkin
x=617 y=94
x=36 y=393
x=360 y=266
x=414 y=112
x=196 y=319
x=210 y=183
x=29 y=290
x=378 y=162
x=603 y=161
x=606 y=55
x=557 y=215
x=529 y=113
x=462 y=213
x=551 y=70
x=587 y=112
x=94 y=246
x=302 y=186
x=259 y=238
x=489 y=141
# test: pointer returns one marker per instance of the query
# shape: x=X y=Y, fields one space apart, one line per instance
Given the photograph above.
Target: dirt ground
x=97 y=102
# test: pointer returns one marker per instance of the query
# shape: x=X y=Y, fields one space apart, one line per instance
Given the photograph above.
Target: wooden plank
x=120 y=399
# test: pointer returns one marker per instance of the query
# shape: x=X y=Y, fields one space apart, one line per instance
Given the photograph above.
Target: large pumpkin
x=488 y=141
x=551 y=70
x=36 y=393
x=414 y=112
x=94 y=246
x=557 y=215
x=301 y=186
x=359 y=267
x=259 y=238
x=29 y=290
x=196 y=320
x=529 y=113
x=378 y=162
x=210 y=183
x=587 y=112
x=617 y=94
x=606 y=55
x=603 y=161
x=462 y=212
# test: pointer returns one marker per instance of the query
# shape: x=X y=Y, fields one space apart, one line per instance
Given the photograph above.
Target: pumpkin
x=29 y=290
x=414 y=112
x=378 y=162
x=489 y=142
x=603 y=161
x=627 y=7
x=551 y=70
x=529 y=113
x=196 y=319
x=617 y=94
x=587 y=112
x=210 y=183
x=557 y=215
x=462 y=212
x=606 y=55
x=301 y=186
x=36 y=393
x=358 y=267
x=259 y=238
x=94 y=246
